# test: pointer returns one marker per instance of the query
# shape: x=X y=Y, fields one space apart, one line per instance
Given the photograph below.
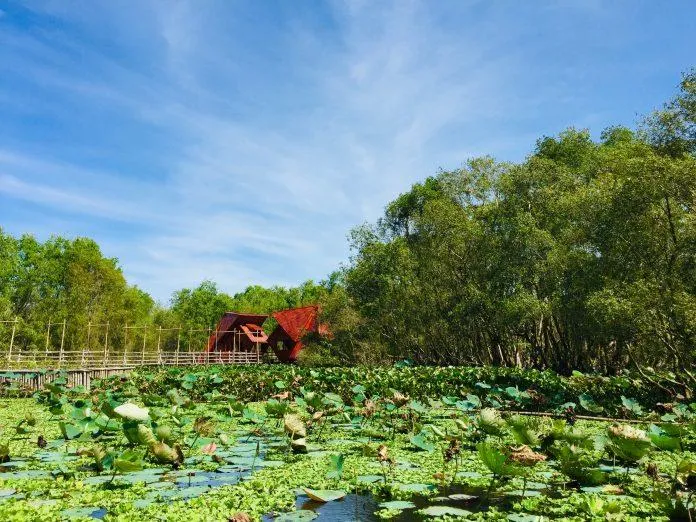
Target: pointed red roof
x=297 y=322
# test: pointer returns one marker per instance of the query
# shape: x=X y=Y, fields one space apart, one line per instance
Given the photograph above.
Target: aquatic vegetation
x=129 y=454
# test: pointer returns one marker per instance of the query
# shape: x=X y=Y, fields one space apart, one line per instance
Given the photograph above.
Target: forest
x=581 y=257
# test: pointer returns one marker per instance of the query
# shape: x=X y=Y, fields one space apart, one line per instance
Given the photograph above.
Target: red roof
x=297 y=322
x=232 y=321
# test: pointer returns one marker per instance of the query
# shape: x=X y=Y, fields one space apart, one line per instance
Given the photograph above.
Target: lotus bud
x=164 y=453
x=145 y=435
x=164 y=433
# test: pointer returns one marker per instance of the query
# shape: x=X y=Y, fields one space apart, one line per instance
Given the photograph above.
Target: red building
x=238 y=333
x=293 y=325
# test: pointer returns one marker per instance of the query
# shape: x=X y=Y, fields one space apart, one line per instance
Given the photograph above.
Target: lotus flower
x=132 y=412
x=209 y=449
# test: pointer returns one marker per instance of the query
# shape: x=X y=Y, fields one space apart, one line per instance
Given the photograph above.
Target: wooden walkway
x=84 y=366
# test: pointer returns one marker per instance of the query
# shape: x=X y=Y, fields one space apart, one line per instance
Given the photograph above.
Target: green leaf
x=589 y=404
x=496 y=461
x=441 y=511
x=417 y=488
x=397 y=505
x=127 y=461
x=324 y=495
x=632 y=405
x=420 y=441
x=336 y=467
x=369 y=479
x=662 y=440
x=472 y=402
x=80 y=512
x=69 y=431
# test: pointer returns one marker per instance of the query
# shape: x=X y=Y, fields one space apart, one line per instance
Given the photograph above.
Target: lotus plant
x=296 y=431
x=627 y=443
x=527 y=458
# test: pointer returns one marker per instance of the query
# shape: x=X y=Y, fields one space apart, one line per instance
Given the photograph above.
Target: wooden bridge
x=80 y=368
x=30 y=366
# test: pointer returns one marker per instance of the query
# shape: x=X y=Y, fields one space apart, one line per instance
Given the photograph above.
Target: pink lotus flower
x=209 y=449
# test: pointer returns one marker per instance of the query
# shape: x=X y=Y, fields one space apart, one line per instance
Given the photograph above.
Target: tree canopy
x=583 y=256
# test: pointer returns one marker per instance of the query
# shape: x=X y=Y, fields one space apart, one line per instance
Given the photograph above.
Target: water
x=355 y=507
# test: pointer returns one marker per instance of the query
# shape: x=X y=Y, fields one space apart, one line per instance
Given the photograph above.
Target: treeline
x=581 y=257
x=69 y=282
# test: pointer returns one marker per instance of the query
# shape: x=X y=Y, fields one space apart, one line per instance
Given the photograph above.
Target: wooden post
x=48 y=336
x=62 y=344
x=12 y=336
x=159 y=348
x=207 y=353
x=125 y=343
x=178 y=342
x=106 y=346
x=89 y=337
x=142 y=356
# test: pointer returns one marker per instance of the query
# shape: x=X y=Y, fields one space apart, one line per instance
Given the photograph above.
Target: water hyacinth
x=132 y=412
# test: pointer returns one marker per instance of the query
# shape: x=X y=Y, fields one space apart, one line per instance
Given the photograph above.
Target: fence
x=166 y=347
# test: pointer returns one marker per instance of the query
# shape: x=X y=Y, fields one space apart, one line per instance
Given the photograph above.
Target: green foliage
x=496 y=461
x=581 y=257
x=249 y=383
x=62 y=279
x=579 y=464
x=627 y=443
x=421 y=442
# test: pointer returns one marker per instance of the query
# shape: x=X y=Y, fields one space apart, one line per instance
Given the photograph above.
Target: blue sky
x=240 y=141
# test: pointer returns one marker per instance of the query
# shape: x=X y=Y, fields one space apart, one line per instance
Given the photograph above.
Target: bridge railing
x=107 y=346
x=98 y=359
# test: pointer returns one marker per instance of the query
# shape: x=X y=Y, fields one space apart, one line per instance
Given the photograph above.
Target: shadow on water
x=363 y=507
